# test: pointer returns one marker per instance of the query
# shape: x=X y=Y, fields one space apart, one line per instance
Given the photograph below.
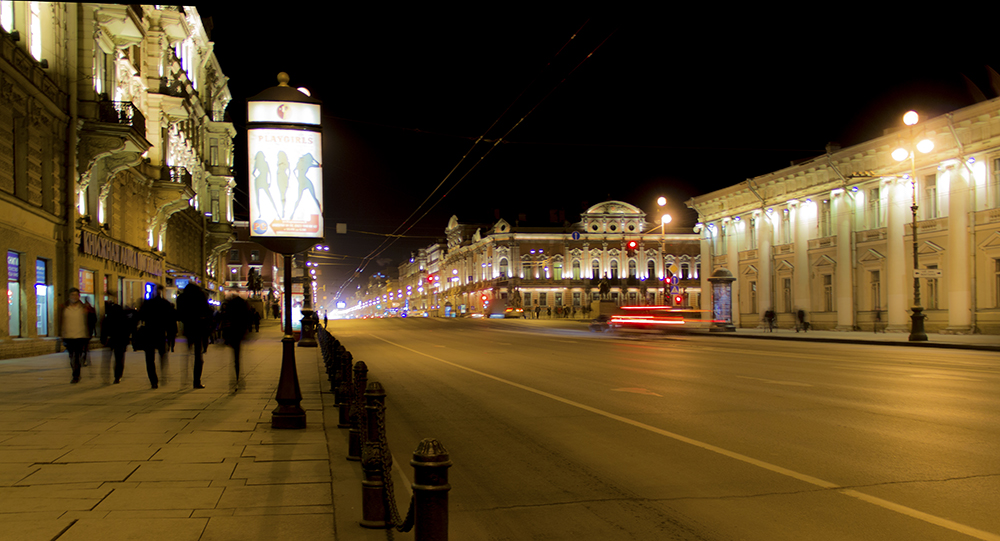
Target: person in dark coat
x=154 y=317
x=194 y=313
x=236 y=322
x=116 y=333
x=77 y=319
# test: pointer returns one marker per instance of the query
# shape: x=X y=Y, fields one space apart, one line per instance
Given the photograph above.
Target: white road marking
x=637 y=390
x=777 y=382
x=885 y=504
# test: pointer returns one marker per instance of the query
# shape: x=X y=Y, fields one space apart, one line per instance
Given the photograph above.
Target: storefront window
x=14 y=292
x=43 y=297
x=87 y=286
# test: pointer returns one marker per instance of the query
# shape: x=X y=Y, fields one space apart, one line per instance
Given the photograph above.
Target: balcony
x=113 y=123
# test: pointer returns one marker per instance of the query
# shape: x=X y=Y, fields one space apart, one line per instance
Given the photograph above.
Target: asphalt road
x=562 y=434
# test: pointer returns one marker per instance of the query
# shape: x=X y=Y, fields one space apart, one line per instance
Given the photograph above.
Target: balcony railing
x=123 y=113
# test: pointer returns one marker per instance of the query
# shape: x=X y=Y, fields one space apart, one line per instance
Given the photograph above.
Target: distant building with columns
x=833 y=236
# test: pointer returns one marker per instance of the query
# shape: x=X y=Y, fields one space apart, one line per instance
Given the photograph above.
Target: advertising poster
x=286 y=183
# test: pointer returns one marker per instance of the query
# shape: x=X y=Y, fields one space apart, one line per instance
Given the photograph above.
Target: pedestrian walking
x=76 y=318
x=151 y=333
x=195 y=315
x=769 y=320
x=324 y=318
x=801 y=315
x=172 y=328
x=538 y=311
x=236 y=322
x=116 y=333
x=256 y=319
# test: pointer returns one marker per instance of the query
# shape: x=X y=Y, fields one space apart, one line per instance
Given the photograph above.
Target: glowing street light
x=917 y=333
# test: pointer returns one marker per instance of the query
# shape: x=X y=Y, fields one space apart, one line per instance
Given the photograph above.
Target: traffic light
x=485 y=297
x=430 y=278
x=678 y=300
x=632 y=245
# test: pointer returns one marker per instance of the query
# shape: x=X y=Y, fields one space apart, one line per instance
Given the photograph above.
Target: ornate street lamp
x=917 y=333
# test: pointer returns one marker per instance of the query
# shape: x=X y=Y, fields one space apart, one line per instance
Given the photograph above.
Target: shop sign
x=13 y=266
x=105 y=248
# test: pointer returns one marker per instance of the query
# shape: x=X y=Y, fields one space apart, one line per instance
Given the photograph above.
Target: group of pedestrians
x=153 y=328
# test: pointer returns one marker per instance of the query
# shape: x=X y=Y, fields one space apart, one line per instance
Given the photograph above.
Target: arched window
x=503 y=268
x=614 y=269
x=631 y=268
x=651 y=269
x=557 y=270
x=576 y=269
x=595 y=269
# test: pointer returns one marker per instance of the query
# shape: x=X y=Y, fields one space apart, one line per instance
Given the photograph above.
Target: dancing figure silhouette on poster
x=282 y=174
x=302 y=167
x=262 y=180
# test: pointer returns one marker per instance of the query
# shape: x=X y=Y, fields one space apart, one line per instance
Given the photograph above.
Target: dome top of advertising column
x=284 y=140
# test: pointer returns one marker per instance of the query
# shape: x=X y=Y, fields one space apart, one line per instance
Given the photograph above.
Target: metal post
x=289 y=413
x=373 y=485
x=357 y=410
x=917 y=333
x=430 y=491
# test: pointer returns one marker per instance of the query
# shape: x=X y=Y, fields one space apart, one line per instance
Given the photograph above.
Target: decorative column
x=898 y=204
x=958 y=267
x=842 y=204
x=765 y=278
x=707 y=266
x=800 y=278
x=733 y=262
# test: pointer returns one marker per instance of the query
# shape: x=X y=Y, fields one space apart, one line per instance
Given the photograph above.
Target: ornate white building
x=115 y=159
x=833 y=236
x=553 y=267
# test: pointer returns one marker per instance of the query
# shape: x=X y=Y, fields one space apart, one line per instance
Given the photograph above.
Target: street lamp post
x=664 y=220
x=917 y=333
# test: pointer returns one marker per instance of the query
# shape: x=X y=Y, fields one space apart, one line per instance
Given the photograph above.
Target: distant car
x=513 y=312
x=601 y=323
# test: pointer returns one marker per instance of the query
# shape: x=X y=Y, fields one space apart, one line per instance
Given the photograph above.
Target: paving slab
x=161 y=497
x=195 y=453
x=285 y=495
x=271 y=527
x=158 y=471
x=58 y=474
x=32 y=530
x=144 y=528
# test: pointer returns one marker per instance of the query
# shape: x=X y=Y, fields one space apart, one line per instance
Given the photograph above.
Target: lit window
x=35 y=30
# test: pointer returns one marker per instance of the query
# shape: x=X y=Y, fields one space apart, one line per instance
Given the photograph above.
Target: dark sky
x=675 y=104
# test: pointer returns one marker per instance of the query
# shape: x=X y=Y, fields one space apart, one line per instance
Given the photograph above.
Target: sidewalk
x=96 y=461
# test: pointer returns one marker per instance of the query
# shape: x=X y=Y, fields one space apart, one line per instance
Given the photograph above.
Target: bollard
x=430 y=491
x=344 y=407
x=372 y=460
x=357 y=410
x=335 y=372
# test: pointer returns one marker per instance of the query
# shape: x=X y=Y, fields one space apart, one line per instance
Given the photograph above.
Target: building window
x=543 y=299
x=576 y=298
x=255 y=256
x=876 y=290
x=752 y=234
x=504 y=272
x=614 y=269
x=213 y=150
x=824 y=218
x=527 y=299
x=993 y=197
x=595 y=269
x=14 y=292
x=685 y=271
x=234 y=255
x=786 y=294
x=43 y=297
x=827 y=292
x=576 y=269
x=874 y=209
x=35 y=30
x=632 y=270
x=7 y=15
x=932 y=291
x=930 y=202
x=786 y=227
x=557 y=270
x=753 y=297
x=559 y=299
x=651 y=269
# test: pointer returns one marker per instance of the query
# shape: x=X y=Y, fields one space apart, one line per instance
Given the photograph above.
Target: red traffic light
x=632 y=245
x=430 y=279
x=678 y=300
x=485 y=297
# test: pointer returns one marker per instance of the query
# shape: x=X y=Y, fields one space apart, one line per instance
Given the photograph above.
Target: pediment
x=750 y=270
x=501 y=227
x=824 y=261
x=785 y=266
x=928 y=247
x=992 y=242
x=871 y=255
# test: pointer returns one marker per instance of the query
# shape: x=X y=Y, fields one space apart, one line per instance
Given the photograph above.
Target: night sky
x=671 y=103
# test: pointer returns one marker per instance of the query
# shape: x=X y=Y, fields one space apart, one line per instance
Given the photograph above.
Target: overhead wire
x=395 y=235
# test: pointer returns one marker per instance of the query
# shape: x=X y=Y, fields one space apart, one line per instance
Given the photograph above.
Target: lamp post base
x=917 y=333
x=288 y=414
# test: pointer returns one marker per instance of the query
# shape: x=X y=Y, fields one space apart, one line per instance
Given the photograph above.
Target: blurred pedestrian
x=194 y=313
x=769 y=320
x=151 y=333
x=538 y=311
x=116 y=333
x=255 y=315
x=75 y=317
x=236 y=323
x=324 y=318
x=801 y=315
x=172 y=328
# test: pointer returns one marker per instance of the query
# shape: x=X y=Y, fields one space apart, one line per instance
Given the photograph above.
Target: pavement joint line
x=879 y=502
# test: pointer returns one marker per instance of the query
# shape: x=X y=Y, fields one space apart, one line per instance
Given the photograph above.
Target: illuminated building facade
x=558 y=268
x=832 y=236
x=115 y=159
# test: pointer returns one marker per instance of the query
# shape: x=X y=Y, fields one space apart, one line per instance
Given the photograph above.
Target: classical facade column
x=845 y=268
x=765 y=278
x=707 y=268
x=899 y=201
x=800 y=282
x=958 y=267
x=733 y=262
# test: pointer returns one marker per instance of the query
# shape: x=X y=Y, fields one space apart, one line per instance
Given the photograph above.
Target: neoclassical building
x=833 y=236
x=115 y=159
x=552 y=267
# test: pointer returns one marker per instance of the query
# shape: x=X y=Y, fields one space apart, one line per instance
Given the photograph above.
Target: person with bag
x=152 y=332
x=76 y=318
x=116 y=333
x=195 y=315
